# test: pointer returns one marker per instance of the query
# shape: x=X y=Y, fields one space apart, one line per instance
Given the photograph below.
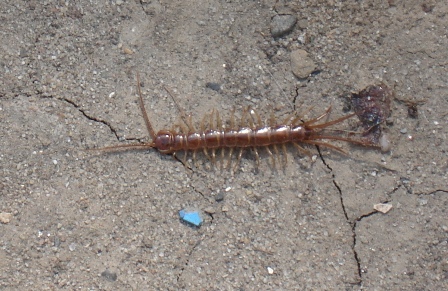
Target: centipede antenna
x=149 y=127
x=125 y=147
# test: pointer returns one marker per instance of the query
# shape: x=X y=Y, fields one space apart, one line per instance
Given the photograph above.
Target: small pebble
x=385 y=143
x=127 y=51
x=382 y=207
x=270 y=270
x=403 y=130
x=72 y=247
x=109 y=276
x=219 y=197
x=5 y=217
x=301 y=65
x=210 y=210
x=214 y=86
x=282 y=24
x=302 y=24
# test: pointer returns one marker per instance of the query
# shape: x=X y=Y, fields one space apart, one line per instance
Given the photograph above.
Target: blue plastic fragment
x=192 y=217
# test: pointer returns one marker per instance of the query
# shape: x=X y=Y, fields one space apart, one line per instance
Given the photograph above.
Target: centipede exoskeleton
x=250 y=132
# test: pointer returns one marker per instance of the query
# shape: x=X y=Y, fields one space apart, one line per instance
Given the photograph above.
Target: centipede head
x=164 y=141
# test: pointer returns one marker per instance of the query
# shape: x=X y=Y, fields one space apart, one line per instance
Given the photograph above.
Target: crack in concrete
x=352 y=224
x=98 y=120
x=83 y=112
x=189 y=254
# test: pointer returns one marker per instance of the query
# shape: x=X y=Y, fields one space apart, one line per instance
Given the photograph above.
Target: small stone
x=72 y=247
x=301 y=65
x=214 y=86
x=109 y=276
x=5 y=217
x=270 y=270
x=403 y=130
x=219 y=197
x=382 y=207
x=282 y=24
x=302 y=24
x=224 y=208
x=127 y=51
x=210 y=210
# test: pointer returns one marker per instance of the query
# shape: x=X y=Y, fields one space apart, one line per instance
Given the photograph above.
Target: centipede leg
x=271 y=156
x=314 y=120
x=296 y=120
x=202 y=126
x=325 y=144
x=214 y=157
x=287 y=120
x=272 y=119
x=257 y=117
x=183 y=128
x=244 y=116
x=195 y=162
x=190 y=124
x=257 y=157
x=220 y=128
x=277 y=153
x=232 y=119
x=240 y=154
x=229 y=162
x=251 y=122
x=208 y=156
x=285 y=155
x=185 y=161
x=221 y=164
x=302 y=150
x=242 y=124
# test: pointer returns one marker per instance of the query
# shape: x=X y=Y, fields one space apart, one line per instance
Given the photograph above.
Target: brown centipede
x=251 y=132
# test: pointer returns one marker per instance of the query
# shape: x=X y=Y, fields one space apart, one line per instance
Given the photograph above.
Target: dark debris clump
x=372 y=106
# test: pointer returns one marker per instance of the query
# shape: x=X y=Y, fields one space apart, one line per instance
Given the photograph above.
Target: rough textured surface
x=83 y=220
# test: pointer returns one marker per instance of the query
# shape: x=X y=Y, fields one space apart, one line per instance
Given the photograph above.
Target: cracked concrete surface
x=89 y=220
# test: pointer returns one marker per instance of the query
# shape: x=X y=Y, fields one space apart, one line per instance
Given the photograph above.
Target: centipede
x=238 y=134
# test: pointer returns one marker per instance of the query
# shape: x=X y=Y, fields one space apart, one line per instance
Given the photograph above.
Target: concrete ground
x=86 y=220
